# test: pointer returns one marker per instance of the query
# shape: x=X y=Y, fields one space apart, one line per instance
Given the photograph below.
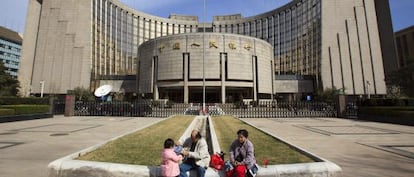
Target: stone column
x=155 y=78
x=186 y=78
x=341 y=105
x=69 y=105
x=223 y=79
x=51 y=105
x=254 y=78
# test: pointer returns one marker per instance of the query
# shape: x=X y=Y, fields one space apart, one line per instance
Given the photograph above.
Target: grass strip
x=142 y=147
x=265 y=146
x=27 y=109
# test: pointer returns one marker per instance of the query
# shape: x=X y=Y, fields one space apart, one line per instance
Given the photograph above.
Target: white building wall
x=239 y=49
x=366 y=51
x=28 y=48
x=62 y=54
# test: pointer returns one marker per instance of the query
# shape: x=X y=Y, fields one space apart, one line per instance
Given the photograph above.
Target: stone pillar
x=155 y=78
x=186 y=91
x=254 y=77
x=69 y=105
x=223 y=78
x=340 y=105
x=51 y=105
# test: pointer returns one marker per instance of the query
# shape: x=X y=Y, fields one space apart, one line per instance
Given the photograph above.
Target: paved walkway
x=27 y=147
x=361 y=149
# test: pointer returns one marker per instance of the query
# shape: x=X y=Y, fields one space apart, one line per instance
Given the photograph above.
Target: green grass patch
x=142 y=147
x=265 y=146
x=27 y=109
x=6 y=112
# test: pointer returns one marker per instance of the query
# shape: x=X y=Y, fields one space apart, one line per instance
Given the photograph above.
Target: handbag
x=216 y=162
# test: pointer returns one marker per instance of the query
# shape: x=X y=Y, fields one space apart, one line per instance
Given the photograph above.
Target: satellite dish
x=103 y=90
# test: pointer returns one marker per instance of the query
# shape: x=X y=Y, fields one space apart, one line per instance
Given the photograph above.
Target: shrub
x=18 y=101
x=27 y=109
x=6 y=112
x=389 y=111
x=388 y=102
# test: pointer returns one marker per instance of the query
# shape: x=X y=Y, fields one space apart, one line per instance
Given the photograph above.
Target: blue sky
x=13 y=12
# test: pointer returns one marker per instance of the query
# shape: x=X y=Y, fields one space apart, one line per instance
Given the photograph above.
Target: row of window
x=297 y=28
x=9 y=48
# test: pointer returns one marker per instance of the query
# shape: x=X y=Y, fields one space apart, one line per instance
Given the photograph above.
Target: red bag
x=216 y=162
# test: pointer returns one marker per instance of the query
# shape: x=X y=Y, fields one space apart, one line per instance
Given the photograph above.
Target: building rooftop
x=10 y=35
x=405 y=30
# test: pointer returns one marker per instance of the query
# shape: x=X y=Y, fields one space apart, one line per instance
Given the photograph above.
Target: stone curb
x=68 y=167
x=320 y=168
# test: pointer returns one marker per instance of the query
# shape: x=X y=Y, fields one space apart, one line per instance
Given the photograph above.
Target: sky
x=13 y=12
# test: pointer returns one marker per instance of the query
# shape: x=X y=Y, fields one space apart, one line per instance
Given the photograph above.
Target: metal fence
x=128 y=109
x=280 y=110
x=241 y=110
x=58 y=107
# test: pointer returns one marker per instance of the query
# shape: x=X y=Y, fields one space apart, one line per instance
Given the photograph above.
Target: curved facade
x=336 y=42
x=171 y=67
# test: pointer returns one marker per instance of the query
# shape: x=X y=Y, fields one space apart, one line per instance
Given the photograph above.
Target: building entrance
x=213 y=94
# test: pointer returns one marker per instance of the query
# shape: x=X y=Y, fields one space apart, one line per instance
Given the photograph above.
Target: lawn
x=142 y=147
x=266 y=147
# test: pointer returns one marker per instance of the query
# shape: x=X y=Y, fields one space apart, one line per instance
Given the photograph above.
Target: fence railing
x=160 y=109
x=128 y=109
x=280 y=109
x=58 y=107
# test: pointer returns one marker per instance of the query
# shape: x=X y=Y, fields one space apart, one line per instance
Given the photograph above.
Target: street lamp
x=42 y=87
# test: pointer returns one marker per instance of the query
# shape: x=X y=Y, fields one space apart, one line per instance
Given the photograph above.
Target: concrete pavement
x=27 y=147
x=361 y=149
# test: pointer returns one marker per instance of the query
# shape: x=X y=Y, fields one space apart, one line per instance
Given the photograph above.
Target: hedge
x=397 y=115
x=388 y=102
x=6 y=112
x=19 y=101
x=27 y=109
x=389 y=111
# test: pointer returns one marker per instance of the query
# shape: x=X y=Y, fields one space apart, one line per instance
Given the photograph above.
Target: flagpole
x=204 y=48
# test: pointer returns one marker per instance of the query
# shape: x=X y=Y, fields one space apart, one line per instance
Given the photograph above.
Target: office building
x=10 y=48
x=404 y=40
x=328 y=43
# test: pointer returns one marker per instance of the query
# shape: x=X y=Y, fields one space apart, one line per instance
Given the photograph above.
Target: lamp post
x=42 y=87
x=369 y=96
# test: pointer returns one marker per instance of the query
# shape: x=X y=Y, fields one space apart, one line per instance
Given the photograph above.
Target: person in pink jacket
x=170 y=160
